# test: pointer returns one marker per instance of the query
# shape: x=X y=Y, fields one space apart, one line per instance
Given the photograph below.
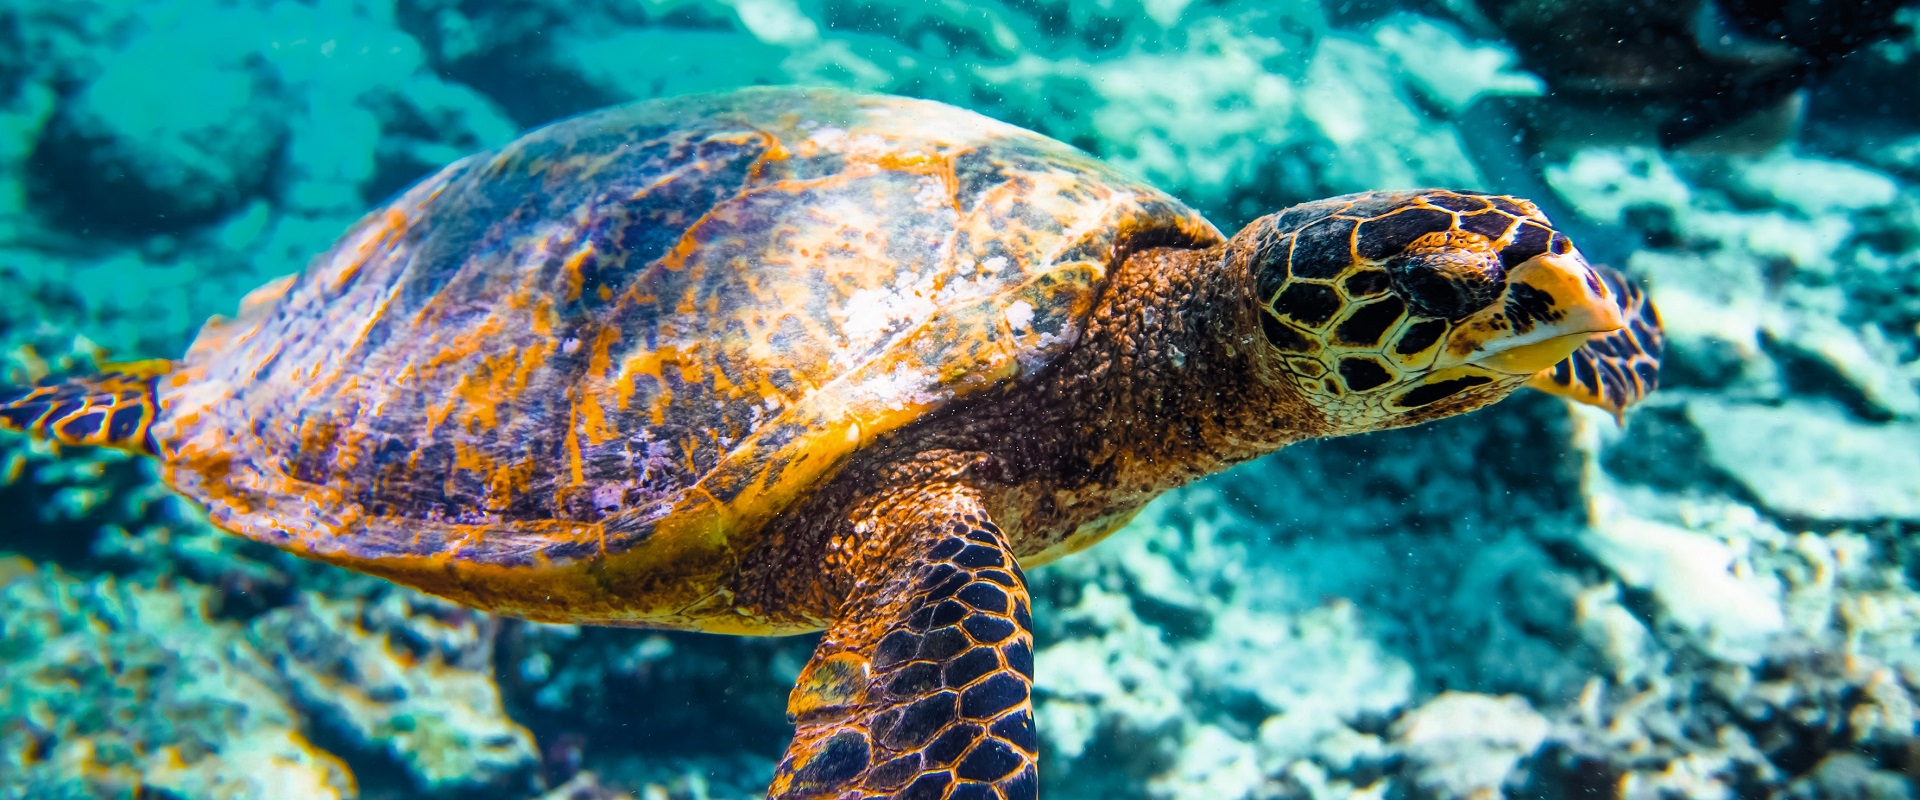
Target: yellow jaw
x=1531 y=358
x=1553 y=304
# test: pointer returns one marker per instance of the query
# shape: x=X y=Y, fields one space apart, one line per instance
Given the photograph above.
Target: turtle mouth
x=1527 y=359
x=1552 y=305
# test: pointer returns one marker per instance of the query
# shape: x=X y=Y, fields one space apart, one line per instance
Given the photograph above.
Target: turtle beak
x=1552 y=305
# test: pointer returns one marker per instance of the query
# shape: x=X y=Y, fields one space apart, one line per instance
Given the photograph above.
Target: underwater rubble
x=1716 y=598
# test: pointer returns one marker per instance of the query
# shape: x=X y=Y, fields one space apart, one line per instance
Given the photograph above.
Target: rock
x=1318 y=669
x=1814 y=187
x=585 y=786
x=1376 y=136
x=1702 y=583
x=1604 y=183
x=1465 y=745
x=1445 y=68
x=1191 y=135
x=1857 y=366
x=1213 y=765
x=1124 y=675
x=1809 y=461
x=129 y=156
x=1898 y=154
x=1850 y=776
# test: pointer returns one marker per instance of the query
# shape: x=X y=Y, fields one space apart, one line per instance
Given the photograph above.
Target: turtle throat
x=1168 y=382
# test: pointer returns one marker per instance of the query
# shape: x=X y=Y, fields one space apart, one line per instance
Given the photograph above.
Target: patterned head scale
x=1392 y=308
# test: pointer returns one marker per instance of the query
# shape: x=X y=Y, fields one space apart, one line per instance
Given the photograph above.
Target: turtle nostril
x=1446 y=282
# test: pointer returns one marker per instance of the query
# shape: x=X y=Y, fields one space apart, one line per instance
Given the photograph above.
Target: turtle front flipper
x=115 y=408
x=922 y=688
x=1617 y=369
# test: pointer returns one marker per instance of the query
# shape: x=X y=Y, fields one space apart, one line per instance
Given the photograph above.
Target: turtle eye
x=1447 y=275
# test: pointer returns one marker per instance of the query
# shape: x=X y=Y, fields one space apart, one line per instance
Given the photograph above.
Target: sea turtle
x=781 y=360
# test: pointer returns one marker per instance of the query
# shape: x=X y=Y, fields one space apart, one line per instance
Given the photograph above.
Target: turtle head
x=1387 y=309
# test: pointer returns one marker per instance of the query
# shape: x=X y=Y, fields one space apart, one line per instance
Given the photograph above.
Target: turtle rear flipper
x=1617 y=369
x=115 y=408
x=923 y=685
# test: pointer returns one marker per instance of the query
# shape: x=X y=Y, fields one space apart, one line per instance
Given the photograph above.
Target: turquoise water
x=1714 y=599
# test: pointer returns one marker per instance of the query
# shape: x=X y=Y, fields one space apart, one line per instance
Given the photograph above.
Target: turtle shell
x=572 y=379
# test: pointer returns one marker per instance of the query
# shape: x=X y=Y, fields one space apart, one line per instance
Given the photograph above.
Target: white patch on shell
x=827 y=137
x=950 y=125
x=873 y=314
x=1092 y=221
x=901 y=388
x=1033 y=358
x=932 y=193
x=1019 y=314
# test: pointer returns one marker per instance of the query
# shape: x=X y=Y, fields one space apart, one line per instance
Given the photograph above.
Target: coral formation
x=1715 y=600
x=112 y=687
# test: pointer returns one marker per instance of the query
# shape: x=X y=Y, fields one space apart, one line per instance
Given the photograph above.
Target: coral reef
x=409 y=673
x=1717 y=599
x=112 y=687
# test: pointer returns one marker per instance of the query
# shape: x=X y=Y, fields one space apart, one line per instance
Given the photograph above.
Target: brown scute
x=1613 y=382
x=1429 y=393
x=1491 y=224
x=1363 y=374
x=1420 y=336
x=1308 y=304
x=1269 y=266
x=113 y=409
x=1446 y=282
x=1297 y=217
x=1530 y=241
x=1563 y=372
x=1584 y=372
x=1463 y=202
x=1381 y=237
x=1323 y=249
x=1367 y=283
x=81 y=424
x=1646 y=334
x=1365 y=327
x=1282 y=337
x=1367 y=205
x=1518 y=208
x=1648 y=371
x=929 y=667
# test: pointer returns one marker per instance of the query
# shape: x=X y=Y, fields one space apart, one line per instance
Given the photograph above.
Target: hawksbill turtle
x=782 y=360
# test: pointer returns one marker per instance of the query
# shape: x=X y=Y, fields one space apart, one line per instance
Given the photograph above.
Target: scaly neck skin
x=1169 y=382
